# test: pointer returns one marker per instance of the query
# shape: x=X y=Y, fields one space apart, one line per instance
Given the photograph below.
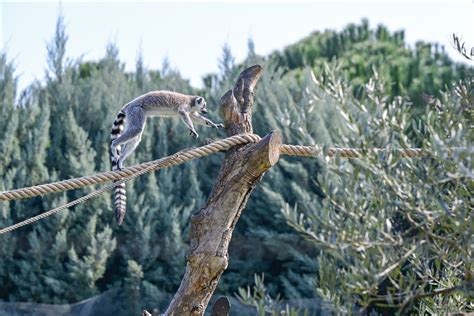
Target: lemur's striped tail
x=120 y=197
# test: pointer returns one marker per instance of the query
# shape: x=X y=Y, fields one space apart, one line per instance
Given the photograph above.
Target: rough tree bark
x=212 y=226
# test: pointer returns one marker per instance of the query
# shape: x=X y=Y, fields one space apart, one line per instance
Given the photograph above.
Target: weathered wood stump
x=212 y=226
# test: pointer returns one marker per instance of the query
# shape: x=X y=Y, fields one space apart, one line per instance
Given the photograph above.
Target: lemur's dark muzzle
x=204 y=111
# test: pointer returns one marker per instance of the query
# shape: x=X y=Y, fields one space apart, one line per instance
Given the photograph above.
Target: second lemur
x=130 y=121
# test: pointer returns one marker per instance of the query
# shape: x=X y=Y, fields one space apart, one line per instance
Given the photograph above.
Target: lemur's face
x=200 y=105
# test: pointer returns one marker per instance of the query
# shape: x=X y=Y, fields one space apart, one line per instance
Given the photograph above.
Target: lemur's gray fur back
x=163 y=98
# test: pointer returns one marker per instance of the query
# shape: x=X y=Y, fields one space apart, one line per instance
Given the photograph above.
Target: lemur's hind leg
x=128 y=149
x=134 y=125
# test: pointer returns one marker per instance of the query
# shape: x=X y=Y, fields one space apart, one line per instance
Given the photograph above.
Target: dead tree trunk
x=212 y=226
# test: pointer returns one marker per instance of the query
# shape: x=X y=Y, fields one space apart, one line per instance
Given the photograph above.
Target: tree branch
x=212 y=226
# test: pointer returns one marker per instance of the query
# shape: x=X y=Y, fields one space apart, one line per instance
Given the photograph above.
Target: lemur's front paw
x=220 y=125
x=194 y=134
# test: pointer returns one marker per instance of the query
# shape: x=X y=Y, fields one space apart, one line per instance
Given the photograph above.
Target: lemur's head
x=200 y=105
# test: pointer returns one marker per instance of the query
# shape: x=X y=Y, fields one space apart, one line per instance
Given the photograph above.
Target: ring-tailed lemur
x=130 y=121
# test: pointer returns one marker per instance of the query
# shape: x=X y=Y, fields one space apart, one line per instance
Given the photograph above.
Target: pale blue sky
x=192 y=34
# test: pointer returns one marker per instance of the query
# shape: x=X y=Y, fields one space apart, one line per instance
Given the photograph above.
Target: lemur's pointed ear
x=199 y=100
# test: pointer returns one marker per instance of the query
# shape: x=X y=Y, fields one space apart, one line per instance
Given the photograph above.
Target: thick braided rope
x=173 y=160
x=184 y=155
x=220 y=145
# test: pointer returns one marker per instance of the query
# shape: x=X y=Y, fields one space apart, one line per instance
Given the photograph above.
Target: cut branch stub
x=221 y=307
x=236 y=104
